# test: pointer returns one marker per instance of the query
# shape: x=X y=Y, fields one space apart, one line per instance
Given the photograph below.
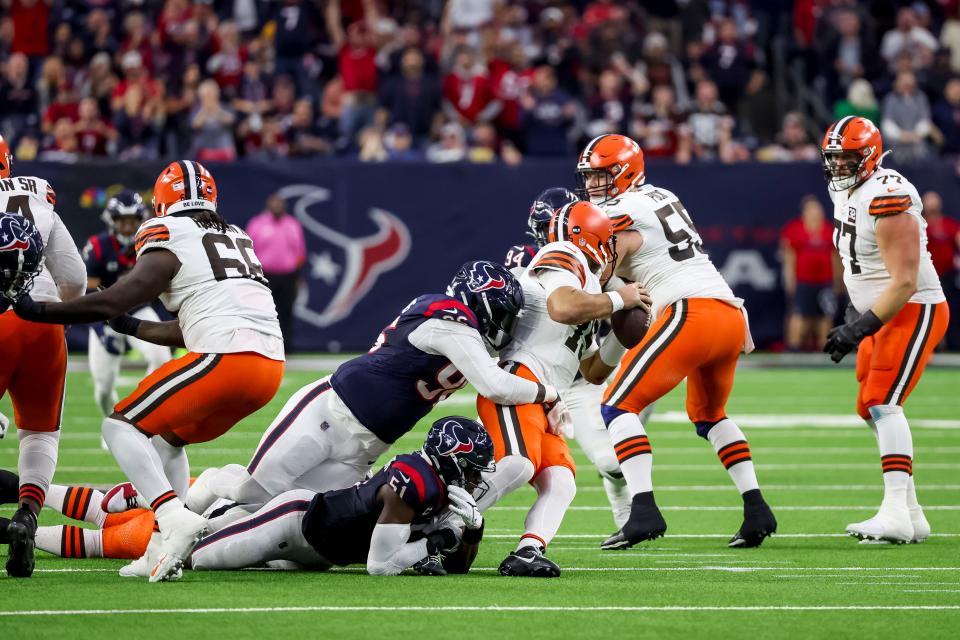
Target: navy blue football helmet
x=126 y=203
x=494 y=296
x=21 y=256
x=460 y=449
x=543 y=208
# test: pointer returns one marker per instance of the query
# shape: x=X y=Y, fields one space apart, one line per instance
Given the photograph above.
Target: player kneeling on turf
x=417 y=506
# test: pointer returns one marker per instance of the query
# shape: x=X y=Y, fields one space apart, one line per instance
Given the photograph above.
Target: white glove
x=446 y=519
x=559 y=420
x=4 y=423
x=463 y=504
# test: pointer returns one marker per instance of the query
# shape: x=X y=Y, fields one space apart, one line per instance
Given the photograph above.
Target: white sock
x=69 y=541
x=556 y=489
x=37 y=463
x=79 y=503
x=896 y=451
x=139 y=461
x=512 y=472
x=734 y=452
x=620 y=502
x=633 y=452
x=175 y=465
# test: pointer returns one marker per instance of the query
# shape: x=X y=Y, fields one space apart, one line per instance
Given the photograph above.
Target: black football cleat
x=529 y=562
x=645 y=523
x=758 y=522
x=430 y=566
x=20 y=534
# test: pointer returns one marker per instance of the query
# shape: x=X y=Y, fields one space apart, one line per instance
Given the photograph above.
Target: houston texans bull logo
x=452 y=442
x=15 y=232
x=365 y=259
x=480 y=279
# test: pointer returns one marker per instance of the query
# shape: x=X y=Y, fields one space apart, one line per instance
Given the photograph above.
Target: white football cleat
x=179 y=534
x=123 y=497
x=891 y=524
x=140 y=568
x=921 y=528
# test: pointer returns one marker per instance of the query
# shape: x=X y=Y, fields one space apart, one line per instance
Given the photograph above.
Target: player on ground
x=554 y=340
x=34 y=363
x=699 y=331
x=582 y=398
x=204 y=270
x=898 y=311
x=420 y=504
x=108 y=256
x=331 y=431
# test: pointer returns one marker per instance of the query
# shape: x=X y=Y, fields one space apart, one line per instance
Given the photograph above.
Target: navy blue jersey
x=339 y=524
x=107 y=259
x=392 y=386
x=519 y=255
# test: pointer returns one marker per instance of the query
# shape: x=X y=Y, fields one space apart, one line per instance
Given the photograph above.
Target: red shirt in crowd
x=30 y=23
x=358 y=68
x=508 y=85
x=814 y=252
x=57 y=110
x=469 y=95
x=942 y=243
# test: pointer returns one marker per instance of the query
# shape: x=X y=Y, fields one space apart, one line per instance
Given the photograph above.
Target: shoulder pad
x=414 y=481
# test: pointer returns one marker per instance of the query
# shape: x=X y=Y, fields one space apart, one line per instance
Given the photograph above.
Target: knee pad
x=878 y=411
x=610 y=413
x=703 y=428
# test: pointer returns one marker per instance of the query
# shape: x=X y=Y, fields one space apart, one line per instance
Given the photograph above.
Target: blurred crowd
x=475 y=80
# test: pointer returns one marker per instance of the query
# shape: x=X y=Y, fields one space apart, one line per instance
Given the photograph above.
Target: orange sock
x=129 y=540
x=117 y=519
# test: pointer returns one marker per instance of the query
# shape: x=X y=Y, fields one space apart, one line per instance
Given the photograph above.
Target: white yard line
x=600 y=536
x=740 y=508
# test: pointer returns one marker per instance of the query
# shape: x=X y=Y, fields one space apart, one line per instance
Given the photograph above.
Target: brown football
x=630 y=325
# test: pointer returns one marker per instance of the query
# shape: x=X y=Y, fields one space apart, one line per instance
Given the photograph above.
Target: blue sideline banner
x=380 y=234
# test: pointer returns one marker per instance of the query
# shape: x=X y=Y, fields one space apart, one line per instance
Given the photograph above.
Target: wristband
x=616 y=299
x=550 y=395
x=125 y=324
x=611 y=351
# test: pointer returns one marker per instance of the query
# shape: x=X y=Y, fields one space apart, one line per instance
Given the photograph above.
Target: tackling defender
x=699 y=331
x=37 y=255
x=206 y=271
x=898 y=312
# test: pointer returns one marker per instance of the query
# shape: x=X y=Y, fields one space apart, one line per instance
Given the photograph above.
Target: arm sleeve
x=62 y=258
x=390 y=553
x=463 y=346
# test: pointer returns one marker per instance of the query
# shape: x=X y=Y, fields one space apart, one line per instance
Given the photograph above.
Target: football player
x=582 y=398
x=898 y=312
x=554 y=340
x=108 y=256
x=204 y=270
x=699 y=330
x=331 y=431
x=419 y=504
x=37 y=255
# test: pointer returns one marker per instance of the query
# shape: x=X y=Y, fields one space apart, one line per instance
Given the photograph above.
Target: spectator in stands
x=226 y=65
x=467 y=92
x=793 y=144
x=305 y=139
x=656 y=125
x=19 y=98
x=31 y=19
x=810 y=276
x=135 y=75
x=294 y=20
x=849 y=55
x=398 y=144
x=547 y=115
x=61 y=144
x=860 y=101
x=93 y=134
x=53 y=76
x=356 y=64
x=282 y=250
x=98 y=33
x=906 y=121
x=609 y=109
x=910 y=37
x=661 y=68
x=99 y=81
x=138 y=124
x=411 y=97
x=63 y=105
x=211 y=123
x=946 y=117
x=510 y=75
x=252 y=98
x=943 y=242
x=451 y=145
x=139 y=39
x=707 y=133
x=732 y=64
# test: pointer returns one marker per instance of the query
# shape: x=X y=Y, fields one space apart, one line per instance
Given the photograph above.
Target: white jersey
x=671 y=264
x=34 y=199
x=855 y=218
x=553 y=351
x=219 y=294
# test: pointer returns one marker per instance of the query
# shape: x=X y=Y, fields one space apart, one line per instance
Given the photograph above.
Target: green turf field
x=818 y=468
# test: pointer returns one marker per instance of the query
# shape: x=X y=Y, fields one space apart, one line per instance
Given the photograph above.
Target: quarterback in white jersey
x=204 y=270
x=33 y=366
x=553 y=340
x=698 y=333
x=898 y=313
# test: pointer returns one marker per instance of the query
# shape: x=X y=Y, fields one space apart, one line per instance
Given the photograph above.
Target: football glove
x=559 y=420
x=843 y=339
x=463 y=505
x=4 y=423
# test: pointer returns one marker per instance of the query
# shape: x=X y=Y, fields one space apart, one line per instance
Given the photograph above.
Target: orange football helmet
x=6 y=159
x=617 y=160
x=182 y=186
x=851 y=151
x=588 y=228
